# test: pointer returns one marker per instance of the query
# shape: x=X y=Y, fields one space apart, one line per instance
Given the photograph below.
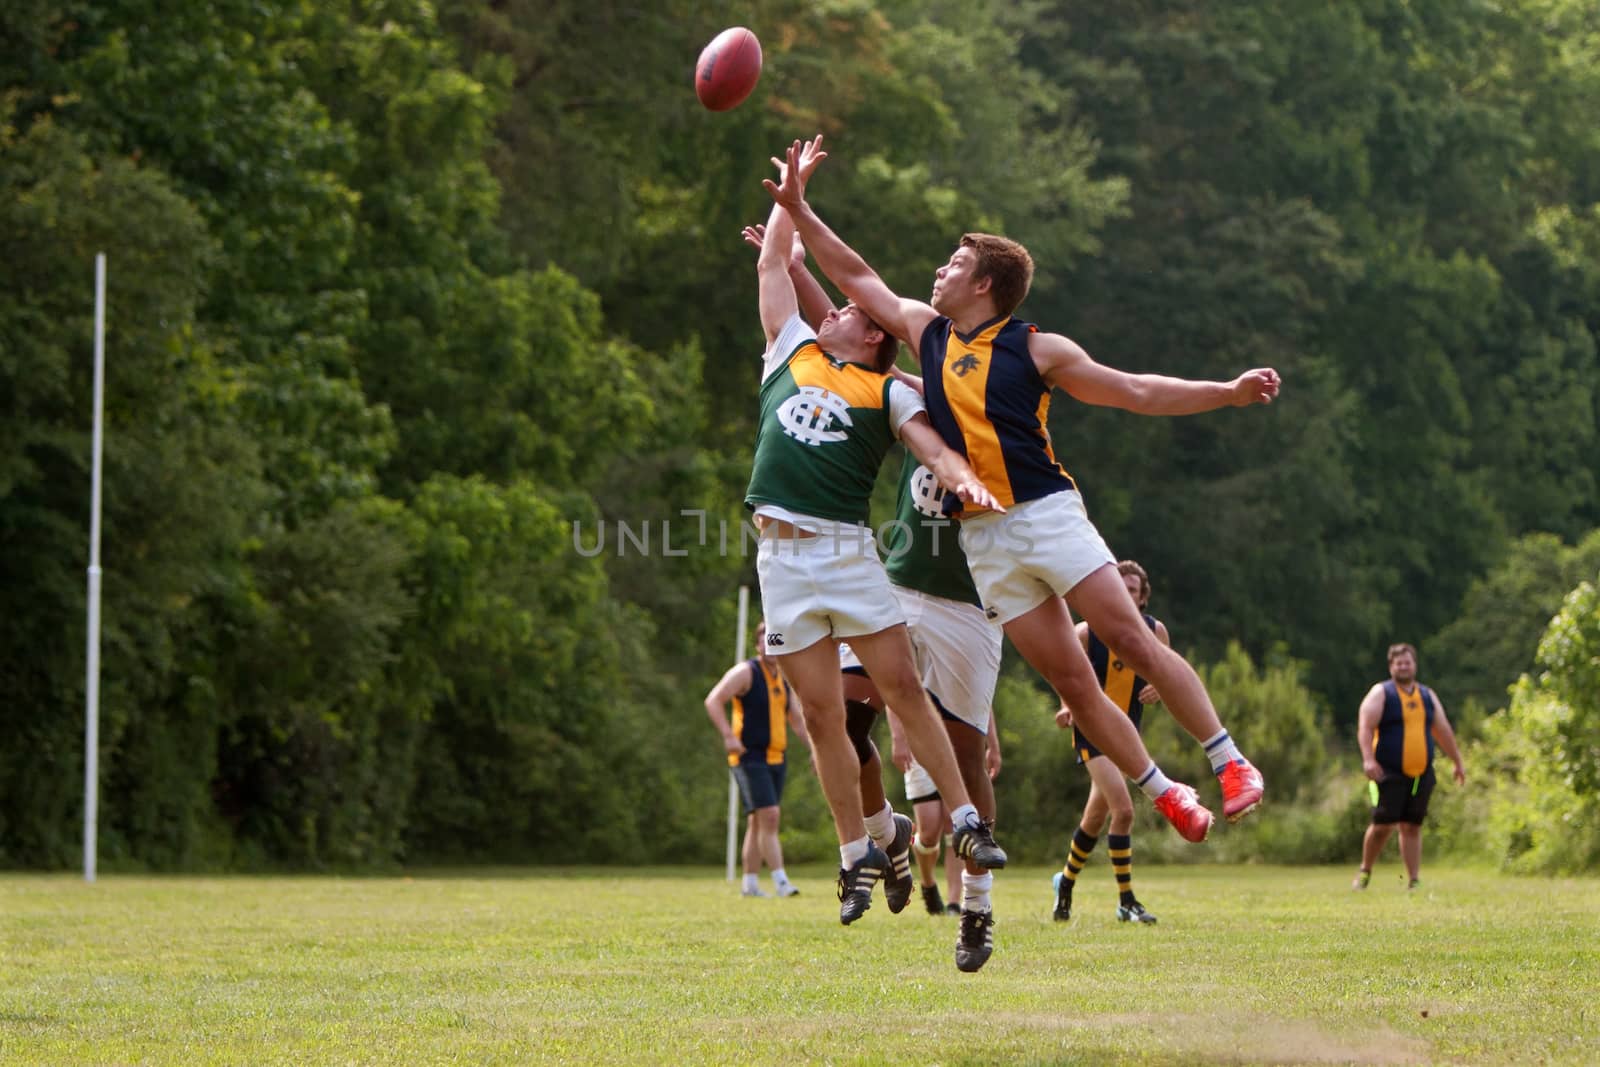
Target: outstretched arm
x=814 y=300
x=947 y=465
x=777 y=292
x=1064 y=365
x=905 y=319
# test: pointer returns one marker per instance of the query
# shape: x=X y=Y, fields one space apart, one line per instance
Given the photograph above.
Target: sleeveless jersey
x=760 y=717
x=825 y=427
x=1403 y=741
x=1116 y=678
x=987 y=401
x=923 y=547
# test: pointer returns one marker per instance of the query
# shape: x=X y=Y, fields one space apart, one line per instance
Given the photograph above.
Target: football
x=728 y=69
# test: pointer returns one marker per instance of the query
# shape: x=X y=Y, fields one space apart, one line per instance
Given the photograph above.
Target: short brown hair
x=1006 y=264
x=1128 y=566
x=1401 y=649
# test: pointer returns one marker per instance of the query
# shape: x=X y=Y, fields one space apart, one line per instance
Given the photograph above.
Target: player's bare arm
x=1064 y=364
x=735 y=683
x=1366 y=725
x=1445 y=736
x=947 y=465
x=905 y=319
x=776 y=292
x=813 y=299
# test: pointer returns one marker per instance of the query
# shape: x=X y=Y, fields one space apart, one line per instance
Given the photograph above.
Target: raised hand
x=1259 y=386
x=755 y=236
x=794 y=170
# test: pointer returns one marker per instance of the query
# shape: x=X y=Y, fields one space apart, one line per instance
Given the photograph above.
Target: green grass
x=1248 y=964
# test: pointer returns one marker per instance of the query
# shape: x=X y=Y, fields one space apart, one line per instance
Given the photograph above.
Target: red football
x=728 y=69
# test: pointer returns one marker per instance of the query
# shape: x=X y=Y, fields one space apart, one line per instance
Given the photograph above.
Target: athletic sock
x=1153 y=782
x=1221 y=751
x=975 y=891
x=780 y=879
x=750 y=883
x=880 y=827
x=1120 y=848
x=1082 y=845
x=851 y=852
x=965 y=815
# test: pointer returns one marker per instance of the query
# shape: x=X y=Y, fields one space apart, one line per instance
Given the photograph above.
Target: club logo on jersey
x=814 y=416
x=927 y=495
x=965 y=365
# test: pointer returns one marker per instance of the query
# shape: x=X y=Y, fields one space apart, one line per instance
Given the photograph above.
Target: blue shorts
x=760 y=784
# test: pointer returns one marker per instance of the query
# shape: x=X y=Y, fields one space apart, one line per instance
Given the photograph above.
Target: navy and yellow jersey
x=922 y=546
x=761 y=716
x=1119 y=682
x=1120 y=685
x=1403 y=740
x=988 y=402
x=825 y=428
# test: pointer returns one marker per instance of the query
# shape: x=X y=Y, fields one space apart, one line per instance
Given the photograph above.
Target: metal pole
x=733 y=786
x=91 y=713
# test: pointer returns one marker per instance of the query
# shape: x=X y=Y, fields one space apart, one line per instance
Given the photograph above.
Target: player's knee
x=767 y=819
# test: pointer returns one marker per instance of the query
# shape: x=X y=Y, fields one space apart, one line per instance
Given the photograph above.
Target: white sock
x=852 y=851
x=750 y=883
x=1153 y=782
x=1221 y=751
x=965 y=815
x=975 y=891
x=780 y=879
x=880 y=827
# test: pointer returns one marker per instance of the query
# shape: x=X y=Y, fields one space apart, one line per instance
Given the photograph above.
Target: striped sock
x=1221 y=751
x=1153 y=782
x=1082 y=844
x=1120 y=847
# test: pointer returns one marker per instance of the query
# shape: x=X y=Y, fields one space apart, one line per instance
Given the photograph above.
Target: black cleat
x=1134 y=913
x=1063 y=912
x=952 y=908
x=897 y=882
x=975 y=943
x=855 y=885
x=931 y=900
x=976 y=843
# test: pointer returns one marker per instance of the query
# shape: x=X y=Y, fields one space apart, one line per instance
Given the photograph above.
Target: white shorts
x=1038 y=549
x=958 y=654
x=919 y=784
x=816 y=587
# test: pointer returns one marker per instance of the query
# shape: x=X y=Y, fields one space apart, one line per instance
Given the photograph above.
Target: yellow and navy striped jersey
x=1118 y=680
x=988 y=402
x=761 y=716
x=1403 y=740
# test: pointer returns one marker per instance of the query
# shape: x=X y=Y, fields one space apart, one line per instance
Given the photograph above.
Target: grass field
x=1248 y=964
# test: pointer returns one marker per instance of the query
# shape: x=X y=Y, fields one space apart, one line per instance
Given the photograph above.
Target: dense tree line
x=400 y=293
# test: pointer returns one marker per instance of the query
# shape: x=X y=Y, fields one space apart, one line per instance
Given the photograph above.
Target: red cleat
x=1181 y=806
x=1241 y=789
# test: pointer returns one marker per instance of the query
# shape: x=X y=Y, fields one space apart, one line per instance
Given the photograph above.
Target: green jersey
x=923 y=545
x=825 y=427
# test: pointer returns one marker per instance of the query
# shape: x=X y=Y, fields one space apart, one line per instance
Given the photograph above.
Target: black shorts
x=1402 y=799
x=760 y=784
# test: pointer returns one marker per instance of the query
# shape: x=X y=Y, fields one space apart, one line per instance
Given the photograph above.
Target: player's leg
x=891 y=832
x=1045 y=637
x=750 y=854
x=975 y=943
x=888 y=659
x=814 y=673
x=1385 y=814
x=1411 y=851
x=929 y=817
x=1084 y=838
x=1119 y=840
x=1102 y=600
x=771 y=847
